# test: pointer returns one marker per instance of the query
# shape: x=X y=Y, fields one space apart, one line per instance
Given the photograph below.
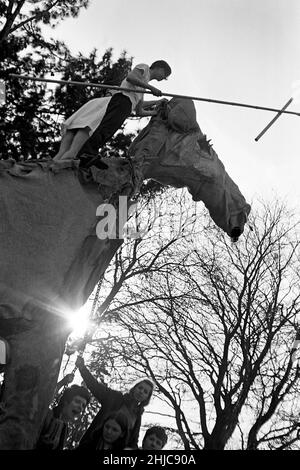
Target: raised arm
x=98 y=389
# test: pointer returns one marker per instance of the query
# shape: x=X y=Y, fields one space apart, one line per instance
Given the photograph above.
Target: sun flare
x=79 y=320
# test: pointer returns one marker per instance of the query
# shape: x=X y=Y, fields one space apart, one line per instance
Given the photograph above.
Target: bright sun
x=79 y=320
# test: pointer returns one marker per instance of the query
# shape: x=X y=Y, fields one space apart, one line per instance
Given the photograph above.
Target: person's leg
x=79 y=139
x=118 y=109
x=65 y=144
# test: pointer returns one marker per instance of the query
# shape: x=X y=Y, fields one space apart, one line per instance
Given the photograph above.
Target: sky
x=235 y=50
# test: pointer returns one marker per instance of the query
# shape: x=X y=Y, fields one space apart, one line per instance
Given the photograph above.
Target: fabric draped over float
x=50 y=254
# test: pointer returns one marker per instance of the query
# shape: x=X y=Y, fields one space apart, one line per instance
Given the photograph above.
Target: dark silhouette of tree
x=31 y=118
x=17 y=14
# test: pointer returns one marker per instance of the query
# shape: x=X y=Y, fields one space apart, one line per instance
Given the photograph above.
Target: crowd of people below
x=115 y=427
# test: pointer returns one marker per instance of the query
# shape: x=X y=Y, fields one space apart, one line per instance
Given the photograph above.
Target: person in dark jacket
x=111 y=435
x=132 y=404
x=55 y=426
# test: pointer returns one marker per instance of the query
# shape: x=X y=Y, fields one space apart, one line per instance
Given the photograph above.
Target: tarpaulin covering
x=50 y=253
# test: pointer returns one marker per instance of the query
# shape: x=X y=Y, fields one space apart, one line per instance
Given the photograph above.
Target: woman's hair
x=70 y=393
x=122 y=420
x=162 y=64
x=159 y=432
x=148 y=382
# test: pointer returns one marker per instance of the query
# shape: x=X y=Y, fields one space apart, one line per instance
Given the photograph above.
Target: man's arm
x=135 y=77
x=140 y=111
x=151 y=104
x=148 y=108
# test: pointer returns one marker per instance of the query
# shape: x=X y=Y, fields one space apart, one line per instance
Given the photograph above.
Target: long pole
x=273 y=120
x=112 y=87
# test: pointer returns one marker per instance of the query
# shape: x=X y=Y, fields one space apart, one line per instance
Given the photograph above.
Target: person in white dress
x=91 y=126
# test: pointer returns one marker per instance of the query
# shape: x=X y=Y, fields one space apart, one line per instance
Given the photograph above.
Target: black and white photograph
x=149 y=229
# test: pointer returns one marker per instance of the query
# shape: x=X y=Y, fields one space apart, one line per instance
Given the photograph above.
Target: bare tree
x=215 y=329
x=152 y=232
